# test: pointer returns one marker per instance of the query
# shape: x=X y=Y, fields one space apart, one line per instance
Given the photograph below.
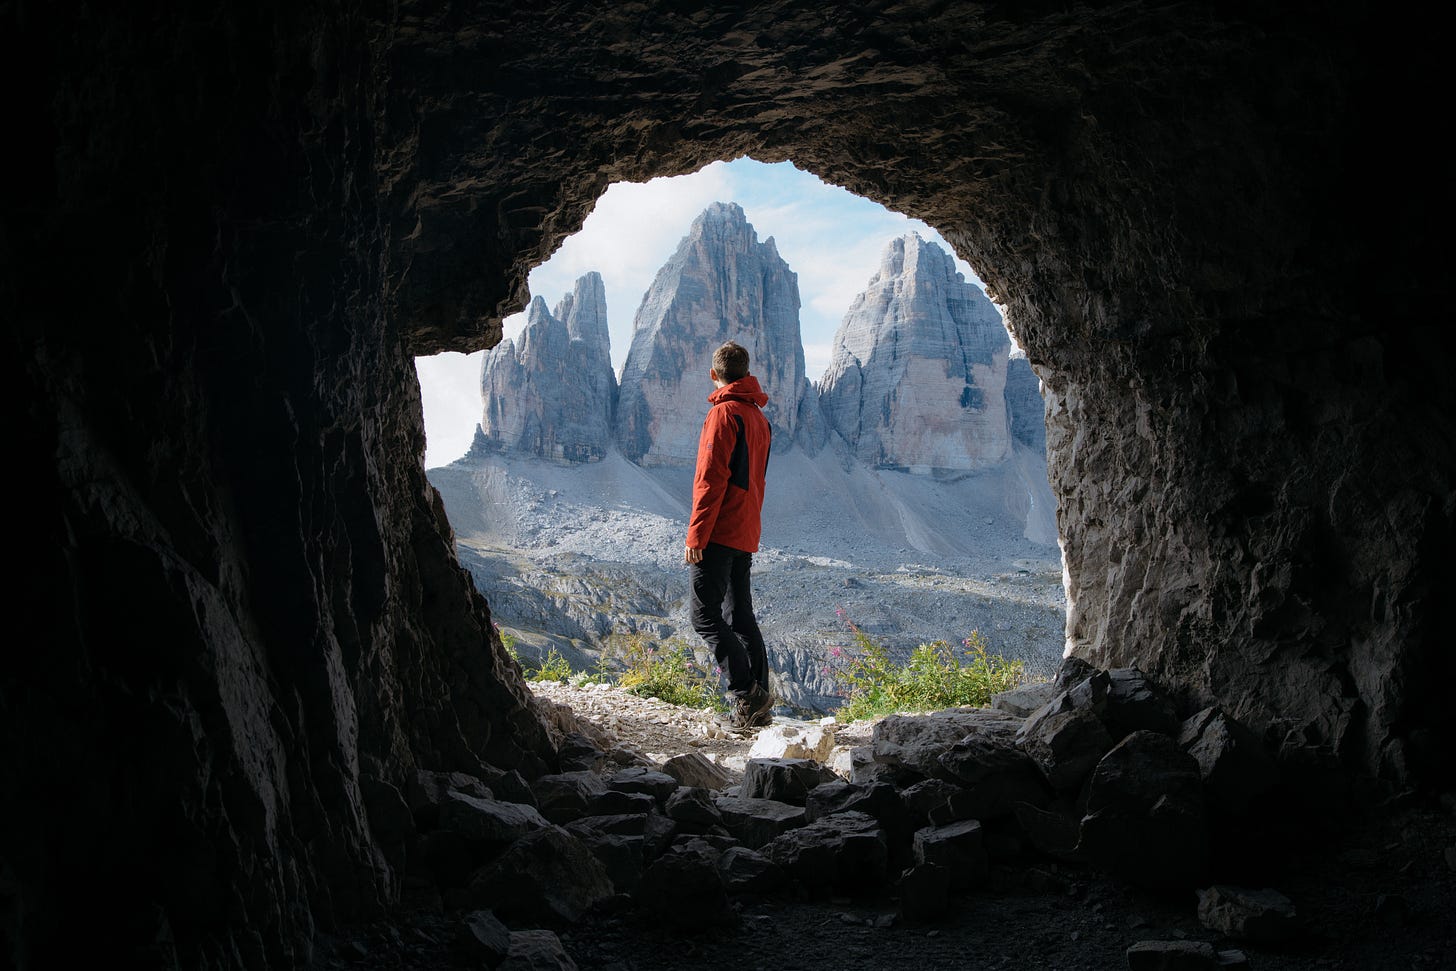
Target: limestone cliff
x=918 y=373
x=722 y=284
x=1024 y=407
x=551 y=393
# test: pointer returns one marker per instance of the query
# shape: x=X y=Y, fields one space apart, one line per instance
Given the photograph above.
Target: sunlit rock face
x=918 y=373
x=722 y=284
x=1025 y=409
x=550 y=392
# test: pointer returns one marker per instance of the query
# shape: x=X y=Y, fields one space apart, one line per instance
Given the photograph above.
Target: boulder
x=784 y=780
x=914 y=743
x=1134 y=703
x=1182 y=956
x=923 y=797
x=1145 y=817
x=683 y=888
x=958 y=847
x=482 y=938
x=564 y=796
x=614 y=802
x=924 y=892
x=845 y=852
x=659 y=785
x=758 y=821
x=448 y=858
x=1065 y=742
x=579 y=753
x=1023 y=701
x=695 y=806
x=692 y=769
x=623 y=856
x=536 y=950
x=623 y=824
x=1261 y=916
x=427 y=790
x=487 y=821
x=793 y=742
x=1235 y=766
x=748 y=871
x=1071 y=671
x=1052 y=832
x=548 y=875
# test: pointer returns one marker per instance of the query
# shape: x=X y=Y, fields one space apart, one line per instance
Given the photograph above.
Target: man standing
x=723 y=532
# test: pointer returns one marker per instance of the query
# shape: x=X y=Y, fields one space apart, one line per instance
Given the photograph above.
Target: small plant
x=934 y=677
x=668 y=672
x=553 y=667
x=508 y=641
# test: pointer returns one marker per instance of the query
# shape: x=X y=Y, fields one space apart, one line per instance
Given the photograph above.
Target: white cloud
x=450 y=394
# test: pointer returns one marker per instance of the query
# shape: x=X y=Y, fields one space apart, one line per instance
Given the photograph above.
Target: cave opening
x=942 y=528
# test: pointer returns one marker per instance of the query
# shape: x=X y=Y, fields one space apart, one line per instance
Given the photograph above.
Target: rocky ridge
x=552 y=394
x=722 y=284
x=918 y=374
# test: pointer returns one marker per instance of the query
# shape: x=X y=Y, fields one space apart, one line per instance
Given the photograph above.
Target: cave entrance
x=910 y=535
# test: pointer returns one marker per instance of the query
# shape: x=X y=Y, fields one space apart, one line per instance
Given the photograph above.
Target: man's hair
x=731 y=362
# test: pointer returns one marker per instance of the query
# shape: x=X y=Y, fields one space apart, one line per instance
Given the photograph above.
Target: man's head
x=730 y=362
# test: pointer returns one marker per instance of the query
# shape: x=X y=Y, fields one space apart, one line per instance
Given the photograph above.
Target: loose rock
x=784 y=780
x=1263 y=916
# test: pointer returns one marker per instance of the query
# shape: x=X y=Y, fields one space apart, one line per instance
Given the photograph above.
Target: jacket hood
x=744 y=389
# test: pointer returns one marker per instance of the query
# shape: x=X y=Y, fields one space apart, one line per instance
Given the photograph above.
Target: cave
x=240 y=621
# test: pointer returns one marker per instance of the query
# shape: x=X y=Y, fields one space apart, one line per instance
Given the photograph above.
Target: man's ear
x=713 y=374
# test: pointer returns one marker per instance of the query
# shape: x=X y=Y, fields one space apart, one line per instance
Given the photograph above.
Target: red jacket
x=732 y=462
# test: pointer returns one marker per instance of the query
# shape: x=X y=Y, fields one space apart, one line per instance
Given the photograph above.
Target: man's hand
x=691 y=556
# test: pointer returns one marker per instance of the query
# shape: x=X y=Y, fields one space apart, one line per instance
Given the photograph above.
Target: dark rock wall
x=240 y=621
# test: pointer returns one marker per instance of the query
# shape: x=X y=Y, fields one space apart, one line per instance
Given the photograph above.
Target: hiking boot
x=740 y=711
x=760 y=707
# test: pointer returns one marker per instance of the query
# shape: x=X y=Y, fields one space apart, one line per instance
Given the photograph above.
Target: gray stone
x=482 y=937
x=564 y=796
x=1072 y=671
x=657 y=784
x=615 y=802
x=958 y=847
x=748 y=871
x=916 y=742
x=1235 y=766
x=793 y=742
x=1051 y=831
x=691 y=804
x=1145 y=816
x=1134 y=703
x=546 y=875
x=758 y=821
x=917 y=376
x=692 y=769
x=1066 y=743
x=1172 y=956
x=683 y=888
x=1261 y=916
x=488 y=820
x=784 y=780
x=924 y=892
x=623 y=824
x=537 y=950
x=1025 y=408
x=427 y=790
x=924 y=796
x=846 y=851
x=1023 y=701
x=623 y=857
x=721 y=284
x=578 y=753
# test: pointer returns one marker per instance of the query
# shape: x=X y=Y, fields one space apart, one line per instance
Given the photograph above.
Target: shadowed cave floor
x=1381 y=894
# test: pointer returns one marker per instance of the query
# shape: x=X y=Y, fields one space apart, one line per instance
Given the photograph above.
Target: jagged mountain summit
x=722 y=284
x=917 y=379
x=553 y=394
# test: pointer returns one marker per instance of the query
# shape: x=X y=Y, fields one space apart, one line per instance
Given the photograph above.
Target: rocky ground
x=1372 y=891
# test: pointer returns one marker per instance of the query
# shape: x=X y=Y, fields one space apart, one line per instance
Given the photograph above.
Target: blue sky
x=830 y=237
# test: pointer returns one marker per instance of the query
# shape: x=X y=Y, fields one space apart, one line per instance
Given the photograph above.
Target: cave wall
x=244 y=626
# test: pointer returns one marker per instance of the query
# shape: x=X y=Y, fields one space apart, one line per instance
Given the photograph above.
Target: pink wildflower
x=836 y=651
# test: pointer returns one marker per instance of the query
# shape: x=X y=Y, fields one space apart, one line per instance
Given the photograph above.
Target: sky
x=829 y=236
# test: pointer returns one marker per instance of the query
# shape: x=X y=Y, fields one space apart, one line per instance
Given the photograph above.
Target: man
x=723 y=532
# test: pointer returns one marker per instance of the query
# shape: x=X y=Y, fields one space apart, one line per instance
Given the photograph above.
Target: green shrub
x=934 y=677
x=664 y=671
x=553 y=667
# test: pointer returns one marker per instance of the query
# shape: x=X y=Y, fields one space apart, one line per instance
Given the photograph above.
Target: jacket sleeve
x=710 y=482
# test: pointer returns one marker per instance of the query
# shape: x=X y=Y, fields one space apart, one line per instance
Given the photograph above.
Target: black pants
x=722 y=614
